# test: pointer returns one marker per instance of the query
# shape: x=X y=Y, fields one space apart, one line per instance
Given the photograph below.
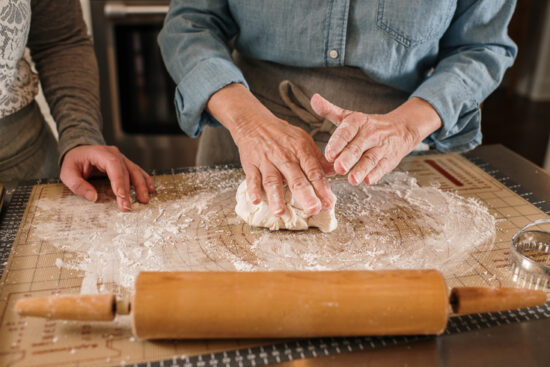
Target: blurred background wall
x=517 y=115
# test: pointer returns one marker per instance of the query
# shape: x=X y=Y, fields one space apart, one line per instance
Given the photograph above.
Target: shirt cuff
x=194 y=91
x=459 y=112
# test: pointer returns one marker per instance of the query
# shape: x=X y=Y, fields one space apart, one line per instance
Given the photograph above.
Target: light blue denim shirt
x=451 y=53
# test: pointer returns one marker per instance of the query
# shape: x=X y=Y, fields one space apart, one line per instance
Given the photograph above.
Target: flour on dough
x=294 y=218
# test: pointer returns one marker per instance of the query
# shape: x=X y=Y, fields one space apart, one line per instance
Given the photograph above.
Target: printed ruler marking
x=508 y=182
x=444 y=172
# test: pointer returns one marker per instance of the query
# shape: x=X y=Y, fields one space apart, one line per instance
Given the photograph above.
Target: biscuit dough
x=294 y=217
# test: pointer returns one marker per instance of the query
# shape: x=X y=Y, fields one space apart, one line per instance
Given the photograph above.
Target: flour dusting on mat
x=190 y=225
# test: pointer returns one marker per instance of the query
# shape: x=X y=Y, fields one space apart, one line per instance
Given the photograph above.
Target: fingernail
x=279 y=212
x=126 y=205
x=344 y=166
x=339 y=168
x=314 y=209
x=91 y=196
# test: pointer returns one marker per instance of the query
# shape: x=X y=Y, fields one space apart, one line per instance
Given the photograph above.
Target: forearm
x=67 y=68
x=73 y=97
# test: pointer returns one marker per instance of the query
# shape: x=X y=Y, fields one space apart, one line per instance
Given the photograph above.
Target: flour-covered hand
x=273 y=151
x=367 y=146
x=85 y=161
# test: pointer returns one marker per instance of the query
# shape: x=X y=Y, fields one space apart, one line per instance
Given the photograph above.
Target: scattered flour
x=190 y=224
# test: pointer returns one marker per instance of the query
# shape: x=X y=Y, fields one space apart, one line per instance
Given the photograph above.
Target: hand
x=273 y=151
x=85 y=161
x=367 y=146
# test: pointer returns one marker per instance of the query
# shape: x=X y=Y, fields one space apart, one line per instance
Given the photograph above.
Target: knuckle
x=112 y=148
x=270 y=181
x=302 y=134
x=355 y=150
x=313 y=169
x=382 y=139
x=344 y=133
x=347 y=115
x=315 y=174
x=75 y=186
x=298 y=184
x=287 y=167
x=252 y=183
x=280 y=155
x=388 y=164
x=371 y=158
x=355 y=119
x=303 y=146
x=384 y=164
x=112 y=159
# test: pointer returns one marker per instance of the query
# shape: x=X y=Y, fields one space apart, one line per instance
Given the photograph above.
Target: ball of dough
x=294 y=218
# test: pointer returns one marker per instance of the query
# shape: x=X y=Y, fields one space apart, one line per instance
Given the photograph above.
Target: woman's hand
x=367 y=146
x=84 y=161
x=273 y=151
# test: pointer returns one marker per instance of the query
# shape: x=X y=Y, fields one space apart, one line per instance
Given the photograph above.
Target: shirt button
x=333 y=54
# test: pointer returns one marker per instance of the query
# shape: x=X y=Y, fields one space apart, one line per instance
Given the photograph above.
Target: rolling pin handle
x=468 y=300
x=97 y=307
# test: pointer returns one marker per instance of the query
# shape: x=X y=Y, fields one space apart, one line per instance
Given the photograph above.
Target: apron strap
x=298 y=102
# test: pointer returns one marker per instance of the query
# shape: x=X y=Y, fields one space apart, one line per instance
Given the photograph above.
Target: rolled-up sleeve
x=474 y=54
x=194 y=43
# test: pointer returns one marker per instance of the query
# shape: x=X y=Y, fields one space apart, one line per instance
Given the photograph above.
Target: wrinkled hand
x=367 y=146
x=85 y=161
x=273 y=151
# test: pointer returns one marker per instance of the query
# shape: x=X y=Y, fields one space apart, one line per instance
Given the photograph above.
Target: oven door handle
x=115 y=10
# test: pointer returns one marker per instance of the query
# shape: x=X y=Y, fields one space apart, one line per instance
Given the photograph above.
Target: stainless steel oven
x=137 y=94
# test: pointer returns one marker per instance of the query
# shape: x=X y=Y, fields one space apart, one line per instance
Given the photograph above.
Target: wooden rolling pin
x=204 y=305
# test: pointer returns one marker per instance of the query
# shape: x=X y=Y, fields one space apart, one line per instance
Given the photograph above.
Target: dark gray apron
x=28 y=149
x=286 y=91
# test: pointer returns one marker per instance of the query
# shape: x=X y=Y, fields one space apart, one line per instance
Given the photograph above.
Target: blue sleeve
x=475 y=52
x=194 y=43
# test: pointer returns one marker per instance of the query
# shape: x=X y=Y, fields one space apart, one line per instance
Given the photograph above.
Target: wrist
x=419 y=116
x=236 y=108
